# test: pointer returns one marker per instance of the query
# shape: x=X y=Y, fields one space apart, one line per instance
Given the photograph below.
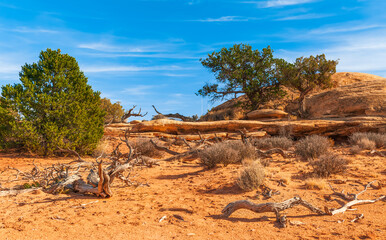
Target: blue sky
x=144 y=52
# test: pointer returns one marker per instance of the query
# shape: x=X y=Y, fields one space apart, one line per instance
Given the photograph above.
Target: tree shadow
x=224 y=190
x=178 y=176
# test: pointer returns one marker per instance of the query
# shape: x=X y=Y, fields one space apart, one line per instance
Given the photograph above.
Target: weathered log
x=354 y=201
x=270 y=207
x=57 y=188
x=336 y=127
x=13 y=192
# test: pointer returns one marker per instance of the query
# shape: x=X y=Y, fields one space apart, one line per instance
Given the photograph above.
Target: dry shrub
x=368 y=140
x=251 y=177
x=314 y=184
x=226 y=153
x=355 y=149
x=102 y=148
x=311 y=147
x=273 y=142
x=144 y=147
x=328 y=164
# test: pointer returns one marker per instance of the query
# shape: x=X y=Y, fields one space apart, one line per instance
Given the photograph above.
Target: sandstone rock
x=363 y=98
x=135 y=121
x=266 y=113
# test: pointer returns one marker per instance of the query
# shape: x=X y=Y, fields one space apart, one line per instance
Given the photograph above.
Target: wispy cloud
x=305 y=17
x=96 y=69
x=139 y=90
x=226 y=19
x=353 y=27
x=279 y=3
x=103 y=47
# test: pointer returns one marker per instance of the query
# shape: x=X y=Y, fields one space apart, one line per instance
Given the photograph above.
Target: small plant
x=368 y=140
x=144 y=147
x=314 y=184
x=355 y=150
x=311 y=147
x=251 y=177
x=226 y=153
x=218 y=153
x=328 y=164
x=273 y=142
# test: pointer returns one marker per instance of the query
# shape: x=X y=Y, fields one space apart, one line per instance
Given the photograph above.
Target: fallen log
x=270 y=207
x=353 y=200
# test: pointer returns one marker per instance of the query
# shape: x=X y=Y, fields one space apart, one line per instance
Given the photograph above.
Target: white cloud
x=279 y=3
x=305 y=17
x=103 y=47
x=96 y=69
x=227 y=19
x=139 y=90
x=353 y=27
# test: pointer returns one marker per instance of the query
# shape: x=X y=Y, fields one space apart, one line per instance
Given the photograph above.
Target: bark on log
x=270 y=207
x=341 y=127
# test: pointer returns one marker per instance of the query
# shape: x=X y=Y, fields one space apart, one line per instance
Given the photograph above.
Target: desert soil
x=183 y=200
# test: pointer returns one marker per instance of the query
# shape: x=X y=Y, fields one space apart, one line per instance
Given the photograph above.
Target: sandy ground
x=189 y=199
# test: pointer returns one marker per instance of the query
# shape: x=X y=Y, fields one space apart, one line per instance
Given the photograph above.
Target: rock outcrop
x=266 y=113
x=362 y=98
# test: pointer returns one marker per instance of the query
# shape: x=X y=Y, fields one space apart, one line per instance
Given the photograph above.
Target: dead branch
x=13 y=192
x=353 y=198
x=270 y=207
x=163 y=148
x=268 y=153
x=130 y=113
x=176 y=115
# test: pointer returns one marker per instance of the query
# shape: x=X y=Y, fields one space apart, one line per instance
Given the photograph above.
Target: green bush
x=114 y=111
x=54 y=106
x=311 y=147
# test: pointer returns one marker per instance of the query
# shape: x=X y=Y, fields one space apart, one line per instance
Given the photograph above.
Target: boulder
x=363 y=98
x=266 y=113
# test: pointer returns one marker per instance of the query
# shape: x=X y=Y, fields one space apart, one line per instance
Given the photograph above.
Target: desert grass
x=328 y=164
x=251 y=176
x=273 y=142
x=311 y=147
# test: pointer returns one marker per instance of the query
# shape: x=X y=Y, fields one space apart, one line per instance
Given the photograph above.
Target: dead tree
x=176 y=115
x=270 y=207
x=130 y=113
x=353 y=200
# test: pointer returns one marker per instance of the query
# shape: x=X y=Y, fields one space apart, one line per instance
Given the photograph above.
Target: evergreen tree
x=54 y=106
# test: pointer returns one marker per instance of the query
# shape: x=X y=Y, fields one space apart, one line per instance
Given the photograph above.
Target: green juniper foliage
x=305 y=74
x=54 y=106
x=242 y=70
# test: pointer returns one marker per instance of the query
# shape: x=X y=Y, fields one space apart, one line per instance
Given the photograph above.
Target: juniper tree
x=54 y=106
x=242 y=70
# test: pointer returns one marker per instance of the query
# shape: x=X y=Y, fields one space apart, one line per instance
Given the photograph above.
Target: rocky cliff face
x=362 y=98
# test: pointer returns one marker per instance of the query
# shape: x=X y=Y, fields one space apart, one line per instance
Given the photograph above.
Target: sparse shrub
x=328 y=164
x=363 y=140
x=218 y=153
x=273 y=142
x=355 y=149
x=143 y=146
x=251 y=177
x=366 y=144
x=226 y=153
x=314 y=184
x=244 y=150
x=311 y=147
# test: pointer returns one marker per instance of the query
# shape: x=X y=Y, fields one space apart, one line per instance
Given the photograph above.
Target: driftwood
x=268 y=153
x=130 y=113
x=270 y=207
x=13 y=192
x=176 y=115
x=353 y=200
